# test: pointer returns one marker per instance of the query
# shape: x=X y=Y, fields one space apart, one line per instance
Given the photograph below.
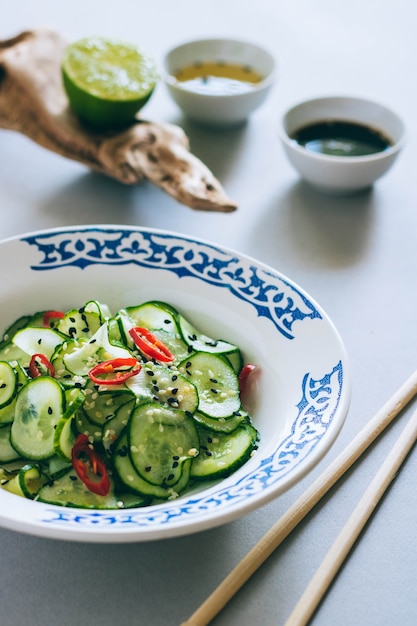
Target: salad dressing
x=218 y=78
x=340 y=138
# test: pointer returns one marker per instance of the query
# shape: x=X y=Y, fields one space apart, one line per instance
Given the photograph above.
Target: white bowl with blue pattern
x=303 y=392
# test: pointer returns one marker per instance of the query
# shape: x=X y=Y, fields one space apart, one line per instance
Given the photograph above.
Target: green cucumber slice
x=222 y=424
x=34 y=340
x=128 y=475
x=216 y=382
x=69 y=490
x=101 y=403
x=31 y=478
x=7 y=452
x=221 y=454
x=154 y=315
x=79 y=323
x=40 y=405
x=160 y=440
x=97 y=348
x=164 y=385
x=8 y=383
x=201 y=342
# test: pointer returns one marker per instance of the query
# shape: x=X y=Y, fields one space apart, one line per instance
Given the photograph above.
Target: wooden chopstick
x=338 y=552
x=303 y=505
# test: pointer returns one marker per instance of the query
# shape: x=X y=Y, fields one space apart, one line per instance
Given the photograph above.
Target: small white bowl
x=226 y=109
x=341 y=174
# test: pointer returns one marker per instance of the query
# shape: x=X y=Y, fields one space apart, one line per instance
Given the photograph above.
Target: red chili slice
x=49 y=316
x=114 y=371
x=150 y=345
x=89 y=467
x=244 y=375
x=40 y=365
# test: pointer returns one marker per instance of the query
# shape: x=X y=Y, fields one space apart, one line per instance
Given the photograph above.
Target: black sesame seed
x=174 y=391
x=171 y=476
x=208 y=453
x=148 y=468
x=175 y=464
x=39 y=342
x=3 y=385
x=188 y=364
x=213 y=380
x=150 y=372
x=174 y=377
x=176 y=458
x=72 y=319
x=50 y=410
x=213 y=390
x=190 y=349
x=72 y=477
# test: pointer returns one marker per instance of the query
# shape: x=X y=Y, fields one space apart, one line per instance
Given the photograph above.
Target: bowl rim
x=378 y=156
x=266 y=82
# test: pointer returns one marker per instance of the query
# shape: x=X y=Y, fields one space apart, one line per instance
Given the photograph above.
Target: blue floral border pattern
x=271 y=295
x=316 y=409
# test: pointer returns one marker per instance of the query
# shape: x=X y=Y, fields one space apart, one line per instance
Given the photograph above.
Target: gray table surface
x=357 y=256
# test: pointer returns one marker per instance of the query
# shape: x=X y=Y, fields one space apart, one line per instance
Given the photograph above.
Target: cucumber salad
x=102 y=410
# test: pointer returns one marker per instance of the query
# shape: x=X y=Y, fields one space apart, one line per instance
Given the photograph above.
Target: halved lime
x=107 y=81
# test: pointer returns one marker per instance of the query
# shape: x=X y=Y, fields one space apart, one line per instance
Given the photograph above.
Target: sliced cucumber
x=7 y=452
x=97 y=348
x=158 y=319
x=160 y=440
x=154 y=315
x=101 y=404
x=40 y=405
x=67 y=378
x=128 y=475
x=8 y=383
x=85 y=426
x=64 y=438
x=216 y=382
x=33 y=340
x=164 y=385
x=79 y=323
x=31 y=478
x=223 y=424
x=220 y=454
x=57 y=466
x=201 y=342
x=10 y=352
x=69 y=490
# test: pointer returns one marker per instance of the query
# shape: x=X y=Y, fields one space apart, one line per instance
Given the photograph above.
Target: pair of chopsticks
x=329 y=567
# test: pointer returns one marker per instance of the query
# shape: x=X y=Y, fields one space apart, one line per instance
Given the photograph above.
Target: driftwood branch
x=33 y=102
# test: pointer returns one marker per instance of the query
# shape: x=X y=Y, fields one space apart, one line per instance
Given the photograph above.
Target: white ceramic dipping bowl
x=226 y=109
x=341 y=174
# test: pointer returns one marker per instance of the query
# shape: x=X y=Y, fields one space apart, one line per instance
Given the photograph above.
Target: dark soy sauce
x=339 y=138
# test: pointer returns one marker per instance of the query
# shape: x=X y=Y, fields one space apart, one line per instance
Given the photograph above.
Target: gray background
x=356 y=256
